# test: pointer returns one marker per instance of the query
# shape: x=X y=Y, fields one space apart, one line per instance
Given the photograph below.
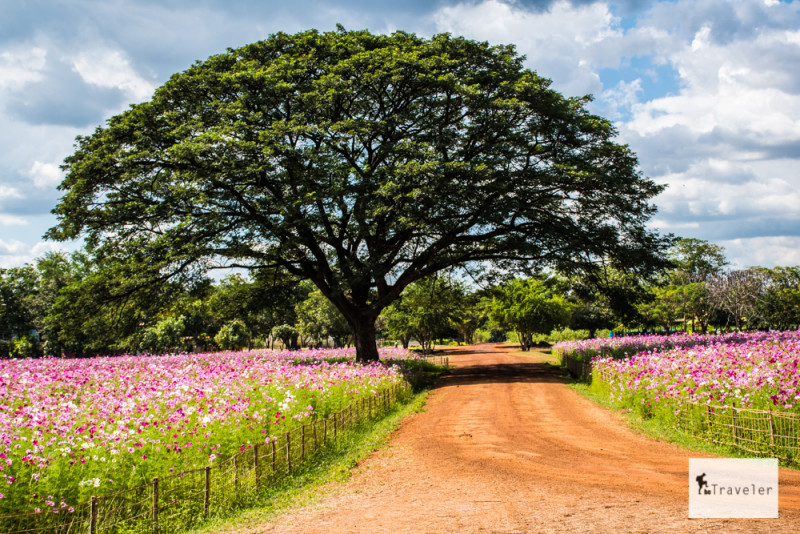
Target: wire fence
x=578 y=369
x=443 y=361
x=771 y=433
x=775 y=434
x=179 y=501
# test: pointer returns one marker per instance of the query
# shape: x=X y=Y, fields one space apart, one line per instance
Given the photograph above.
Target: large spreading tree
x=360 y=162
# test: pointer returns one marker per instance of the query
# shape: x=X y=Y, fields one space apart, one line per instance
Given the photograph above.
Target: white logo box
x=733 y=488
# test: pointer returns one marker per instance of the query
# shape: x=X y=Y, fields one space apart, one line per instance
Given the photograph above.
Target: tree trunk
x=364 y=339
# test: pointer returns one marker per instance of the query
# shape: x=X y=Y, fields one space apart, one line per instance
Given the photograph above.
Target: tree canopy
x=360 y=162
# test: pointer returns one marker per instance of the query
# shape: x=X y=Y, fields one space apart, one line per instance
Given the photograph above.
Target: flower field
x=739 y=390
x=759 y=374
x=627 y=346
x=75 y=428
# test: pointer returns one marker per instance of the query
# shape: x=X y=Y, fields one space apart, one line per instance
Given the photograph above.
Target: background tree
x=779 y=306
x=17 y=286
x=469 y=313
x=613 y=292
x=425 y=311
x=530 y=307
x=362 y=163
x=695 y=260
x=165 y=336
x=287 y=334
x=233 y=336
x=739 y=293
x=318 y=319
x=108 y=308
x=262 y=300
x=663 y=309
x=397 y=321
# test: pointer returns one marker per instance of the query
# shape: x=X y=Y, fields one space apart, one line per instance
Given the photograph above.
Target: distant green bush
x=233 y=336
x=567 y=334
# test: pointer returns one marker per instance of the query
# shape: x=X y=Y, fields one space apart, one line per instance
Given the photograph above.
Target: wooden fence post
x=236 y=474
x=302 y=443
x=733 y=424
x=314 y=430
x=771 y=430
x=288 y=452
x=207 y=491
x=351 y=414
x=274 y=455
x=334 y=426
x=325 y=430
x=155 y=504
x=93 y=516
x=255 y=463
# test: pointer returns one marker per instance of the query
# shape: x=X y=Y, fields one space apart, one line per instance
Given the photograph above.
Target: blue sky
x=706 y=92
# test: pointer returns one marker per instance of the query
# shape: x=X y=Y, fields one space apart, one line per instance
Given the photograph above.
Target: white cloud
x=12 y=246
x=14 y=253
x=726 y=141
x=763 y=251
x=567 y=57
x=620 y=98
x=111 y=69
x=21 y=66
x=12 y=220
x=45 y=175
x=7 y=192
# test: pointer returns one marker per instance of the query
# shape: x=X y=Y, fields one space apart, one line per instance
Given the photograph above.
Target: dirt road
x=505 y=446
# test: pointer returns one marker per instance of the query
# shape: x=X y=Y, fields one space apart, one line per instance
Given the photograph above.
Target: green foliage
x=361 y=162
x=567 y=334
x=164 y=336
x=779 y=305
x=286 y=333
x=426 y=311
x=18 y=286
x=233 y=336
x=529 y=307
x=469 y=314
x=318 y=319
x=589 y=316
x=24 y=347
x=695 y=259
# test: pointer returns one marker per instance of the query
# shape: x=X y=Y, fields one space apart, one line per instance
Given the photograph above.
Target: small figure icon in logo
x=701 y=482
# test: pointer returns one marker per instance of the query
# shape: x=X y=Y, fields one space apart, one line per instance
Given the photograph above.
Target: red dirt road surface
x=505 y=446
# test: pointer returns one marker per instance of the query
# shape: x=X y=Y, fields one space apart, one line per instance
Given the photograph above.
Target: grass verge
x=656 y=428
x=307 y=484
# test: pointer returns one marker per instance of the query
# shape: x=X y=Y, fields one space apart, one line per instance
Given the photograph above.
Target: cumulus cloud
x=728 y=142
x=557 y=42
x=12 y=246
x=45 y=175
x=763 y=251
x=110 y=68
x=20 y=66
x=12 y=220
x=7 y=193
x=14 y=253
